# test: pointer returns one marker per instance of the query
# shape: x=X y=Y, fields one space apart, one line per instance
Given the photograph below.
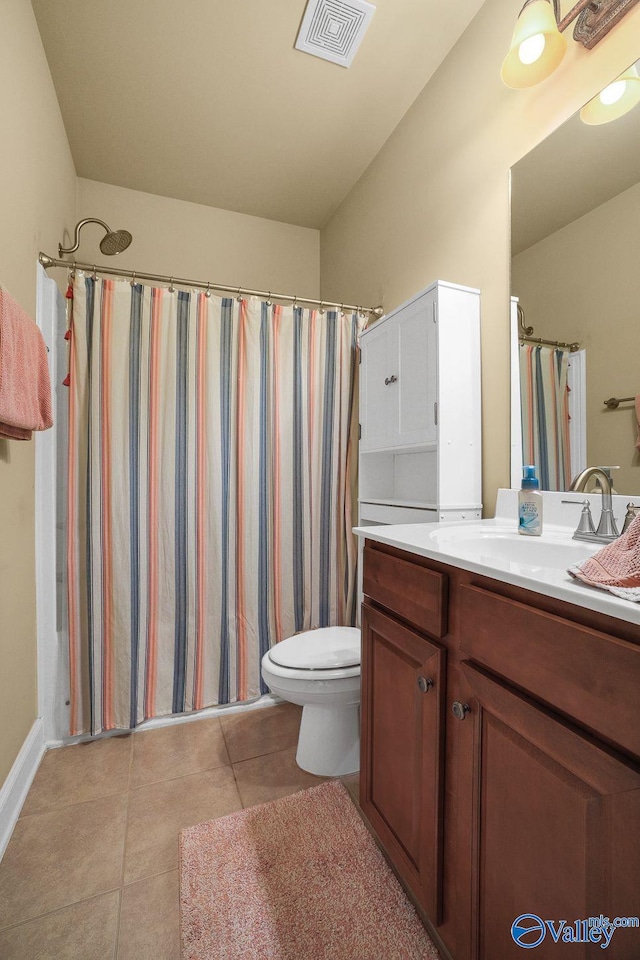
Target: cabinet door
x=417 y=386
x=402 y=750
x=378 y=392
x=554 y=832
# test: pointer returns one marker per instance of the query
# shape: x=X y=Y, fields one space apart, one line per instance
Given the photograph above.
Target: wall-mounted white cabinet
x=397 y=397
x=420 y=443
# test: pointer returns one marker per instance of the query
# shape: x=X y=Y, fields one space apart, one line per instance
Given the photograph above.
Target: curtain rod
x=47 y=261
x=571 y=347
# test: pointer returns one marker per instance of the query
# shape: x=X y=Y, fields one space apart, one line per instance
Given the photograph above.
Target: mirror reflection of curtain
x=545 y=414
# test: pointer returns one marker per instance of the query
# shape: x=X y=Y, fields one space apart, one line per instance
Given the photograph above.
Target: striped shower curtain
x=212 y=464
x=545 y=414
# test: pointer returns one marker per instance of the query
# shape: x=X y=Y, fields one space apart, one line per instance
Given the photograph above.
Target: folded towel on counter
x=616 y=567
x=25 y=389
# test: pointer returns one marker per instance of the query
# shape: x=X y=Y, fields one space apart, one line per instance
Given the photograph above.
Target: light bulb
x=531 y=49
x=613 y=92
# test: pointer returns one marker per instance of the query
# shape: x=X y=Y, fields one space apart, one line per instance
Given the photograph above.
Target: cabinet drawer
x=587 y=675
x=414 y=592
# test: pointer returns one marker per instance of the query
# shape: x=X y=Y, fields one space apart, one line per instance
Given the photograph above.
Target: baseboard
x=15 y=788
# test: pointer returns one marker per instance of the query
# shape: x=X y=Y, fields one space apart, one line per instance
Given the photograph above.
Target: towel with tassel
x=616 y=567
x=25 y=388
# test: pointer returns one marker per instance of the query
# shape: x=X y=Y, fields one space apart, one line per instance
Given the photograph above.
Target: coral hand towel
x=616 y=567
x=25 y=389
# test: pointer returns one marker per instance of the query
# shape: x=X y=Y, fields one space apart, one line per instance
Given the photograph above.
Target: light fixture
x=615 y=100
x=114 y=241
x=538 y=46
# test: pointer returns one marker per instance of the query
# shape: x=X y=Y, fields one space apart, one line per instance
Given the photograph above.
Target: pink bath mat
x=296 y=879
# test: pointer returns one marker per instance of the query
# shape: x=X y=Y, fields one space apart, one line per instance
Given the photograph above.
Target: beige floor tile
x=177 y=751
x=57 y=858
x=257 y=732
x=83 y=931
x=150 y=919
x=159 y=811
x=267 y=778
x=84 y=771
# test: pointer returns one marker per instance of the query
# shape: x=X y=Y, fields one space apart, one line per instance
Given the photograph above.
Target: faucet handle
x=630 y=516
x=585 y=524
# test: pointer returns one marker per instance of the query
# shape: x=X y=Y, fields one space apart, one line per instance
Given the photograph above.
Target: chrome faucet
x=607 y=528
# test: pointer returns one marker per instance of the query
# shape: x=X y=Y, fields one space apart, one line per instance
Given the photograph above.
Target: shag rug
x=296 y=879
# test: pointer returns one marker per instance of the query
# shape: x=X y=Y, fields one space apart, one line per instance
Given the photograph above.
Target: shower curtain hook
x=322 y=307
x=171 y=287
x=133 y=278
x=342 y=309
x=269 y=299
x=239 y=297
x=94 y=277
x=295 y=302
x=207 y=292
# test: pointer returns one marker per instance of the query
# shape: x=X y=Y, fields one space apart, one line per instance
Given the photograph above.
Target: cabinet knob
x=391 y=379
x=425 y=684
x=460 y=710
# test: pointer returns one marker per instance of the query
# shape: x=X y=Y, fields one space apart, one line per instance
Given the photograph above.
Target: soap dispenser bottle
x=529 y=504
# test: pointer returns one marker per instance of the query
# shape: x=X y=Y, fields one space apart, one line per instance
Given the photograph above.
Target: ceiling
x=207 y=100
x=576 y=169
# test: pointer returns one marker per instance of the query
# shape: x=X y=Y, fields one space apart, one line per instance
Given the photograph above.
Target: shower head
x=114 y=242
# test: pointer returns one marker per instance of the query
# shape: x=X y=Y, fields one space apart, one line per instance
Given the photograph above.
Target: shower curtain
x=212 y=464
x=545 y=414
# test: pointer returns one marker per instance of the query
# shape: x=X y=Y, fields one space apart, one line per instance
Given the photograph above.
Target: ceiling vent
x=333 y=29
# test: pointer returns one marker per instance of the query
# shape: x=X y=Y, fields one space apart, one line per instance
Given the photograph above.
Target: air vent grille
x=333 y=29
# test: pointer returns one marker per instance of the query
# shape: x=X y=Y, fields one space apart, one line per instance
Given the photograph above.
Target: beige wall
x=37 y=200
x=178 y=238
x=435 y=201
x=583 y=283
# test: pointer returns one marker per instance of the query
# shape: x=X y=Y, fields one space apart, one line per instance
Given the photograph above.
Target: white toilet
x=320 y=671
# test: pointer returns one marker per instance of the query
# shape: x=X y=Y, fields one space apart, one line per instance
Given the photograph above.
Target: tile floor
x=91 y=871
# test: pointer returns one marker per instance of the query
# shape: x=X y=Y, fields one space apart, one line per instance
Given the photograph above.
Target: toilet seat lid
x=329 y=648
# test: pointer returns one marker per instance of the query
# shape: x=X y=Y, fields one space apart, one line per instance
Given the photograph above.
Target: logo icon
x=528 y=931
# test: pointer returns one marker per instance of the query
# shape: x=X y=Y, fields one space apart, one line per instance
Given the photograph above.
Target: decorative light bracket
x=595 y=18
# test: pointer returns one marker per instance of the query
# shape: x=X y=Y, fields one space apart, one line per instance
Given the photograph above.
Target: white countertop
x=493 y=548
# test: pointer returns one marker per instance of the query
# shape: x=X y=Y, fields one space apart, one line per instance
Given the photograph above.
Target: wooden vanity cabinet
x=526 y=799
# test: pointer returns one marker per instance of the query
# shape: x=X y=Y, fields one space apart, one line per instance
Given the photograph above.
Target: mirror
x=575 y=269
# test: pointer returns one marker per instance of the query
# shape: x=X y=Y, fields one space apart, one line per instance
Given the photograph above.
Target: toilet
x=320 y=671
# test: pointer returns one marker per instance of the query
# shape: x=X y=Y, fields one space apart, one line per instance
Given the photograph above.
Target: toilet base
x=329 y=740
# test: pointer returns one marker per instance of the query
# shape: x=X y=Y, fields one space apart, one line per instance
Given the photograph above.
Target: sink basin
x=508 y=550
